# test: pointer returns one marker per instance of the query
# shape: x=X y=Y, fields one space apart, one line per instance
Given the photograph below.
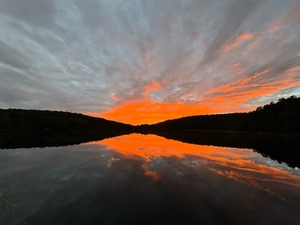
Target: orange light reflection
x=236 y=164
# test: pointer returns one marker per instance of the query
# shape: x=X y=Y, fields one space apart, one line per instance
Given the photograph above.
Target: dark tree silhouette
x=283 y=116
x=19 y=119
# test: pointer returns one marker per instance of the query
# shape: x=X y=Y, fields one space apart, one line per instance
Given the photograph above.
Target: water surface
x=146 y=179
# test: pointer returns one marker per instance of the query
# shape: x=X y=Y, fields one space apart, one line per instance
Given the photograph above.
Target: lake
x=146 y=179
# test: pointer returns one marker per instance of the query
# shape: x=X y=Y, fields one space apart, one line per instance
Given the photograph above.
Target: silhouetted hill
x=283 y=116
x=19 y=119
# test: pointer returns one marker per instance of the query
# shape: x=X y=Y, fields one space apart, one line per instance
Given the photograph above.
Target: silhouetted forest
x=19 y=119
x=282 y=116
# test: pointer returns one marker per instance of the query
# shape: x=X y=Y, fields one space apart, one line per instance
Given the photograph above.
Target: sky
x=145 y=61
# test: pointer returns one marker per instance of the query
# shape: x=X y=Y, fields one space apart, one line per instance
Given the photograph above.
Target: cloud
x=147 y=112
x=150 y=88
x=235 y=14
x=99 y=56
x=238 y=42
x=35 y=12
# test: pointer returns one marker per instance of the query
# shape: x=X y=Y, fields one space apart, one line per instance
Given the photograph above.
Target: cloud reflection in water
x=242 y=165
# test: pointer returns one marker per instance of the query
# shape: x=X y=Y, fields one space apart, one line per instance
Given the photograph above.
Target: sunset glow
x=143 y=62
x=148 y=112
x=100 y=100
x=224 y=99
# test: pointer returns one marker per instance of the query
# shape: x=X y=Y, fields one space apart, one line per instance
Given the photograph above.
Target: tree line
x=20 y=119
x=282 y=116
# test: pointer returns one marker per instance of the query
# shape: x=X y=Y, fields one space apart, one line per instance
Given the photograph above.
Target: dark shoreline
x=283 y=147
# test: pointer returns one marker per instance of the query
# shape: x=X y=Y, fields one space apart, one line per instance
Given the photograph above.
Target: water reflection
x=146 y=179
x=242 y=165
x=279 y=146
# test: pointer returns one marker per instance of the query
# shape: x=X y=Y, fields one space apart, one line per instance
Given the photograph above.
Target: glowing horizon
x=146 y=112
x=224 y=99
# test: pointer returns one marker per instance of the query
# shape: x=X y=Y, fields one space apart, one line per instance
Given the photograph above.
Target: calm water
x=146 y=179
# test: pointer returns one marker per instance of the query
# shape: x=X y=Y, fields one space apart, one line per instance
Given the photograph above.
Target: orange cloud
x=153 y=87
x=146 y=111
x=237 y=69
x=238 y=85
x=237 y=42
x=245 y=36
x=236 y=94
x=273 y=28
x=114 y=98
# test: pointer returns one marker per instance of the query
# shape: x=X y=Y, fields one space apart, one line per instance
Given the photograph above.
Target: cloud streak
x=142 y=61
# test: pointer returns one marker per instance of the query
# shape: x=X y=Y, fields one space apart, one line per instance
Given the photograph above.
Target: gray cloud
x=12 y=57
x=35 y=12
x=234 y=15
x=79 y=56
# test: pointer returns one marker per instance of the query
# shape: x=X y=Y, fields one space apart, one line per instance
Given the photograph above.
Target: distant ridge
x=20 y=119
x=282 y=116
